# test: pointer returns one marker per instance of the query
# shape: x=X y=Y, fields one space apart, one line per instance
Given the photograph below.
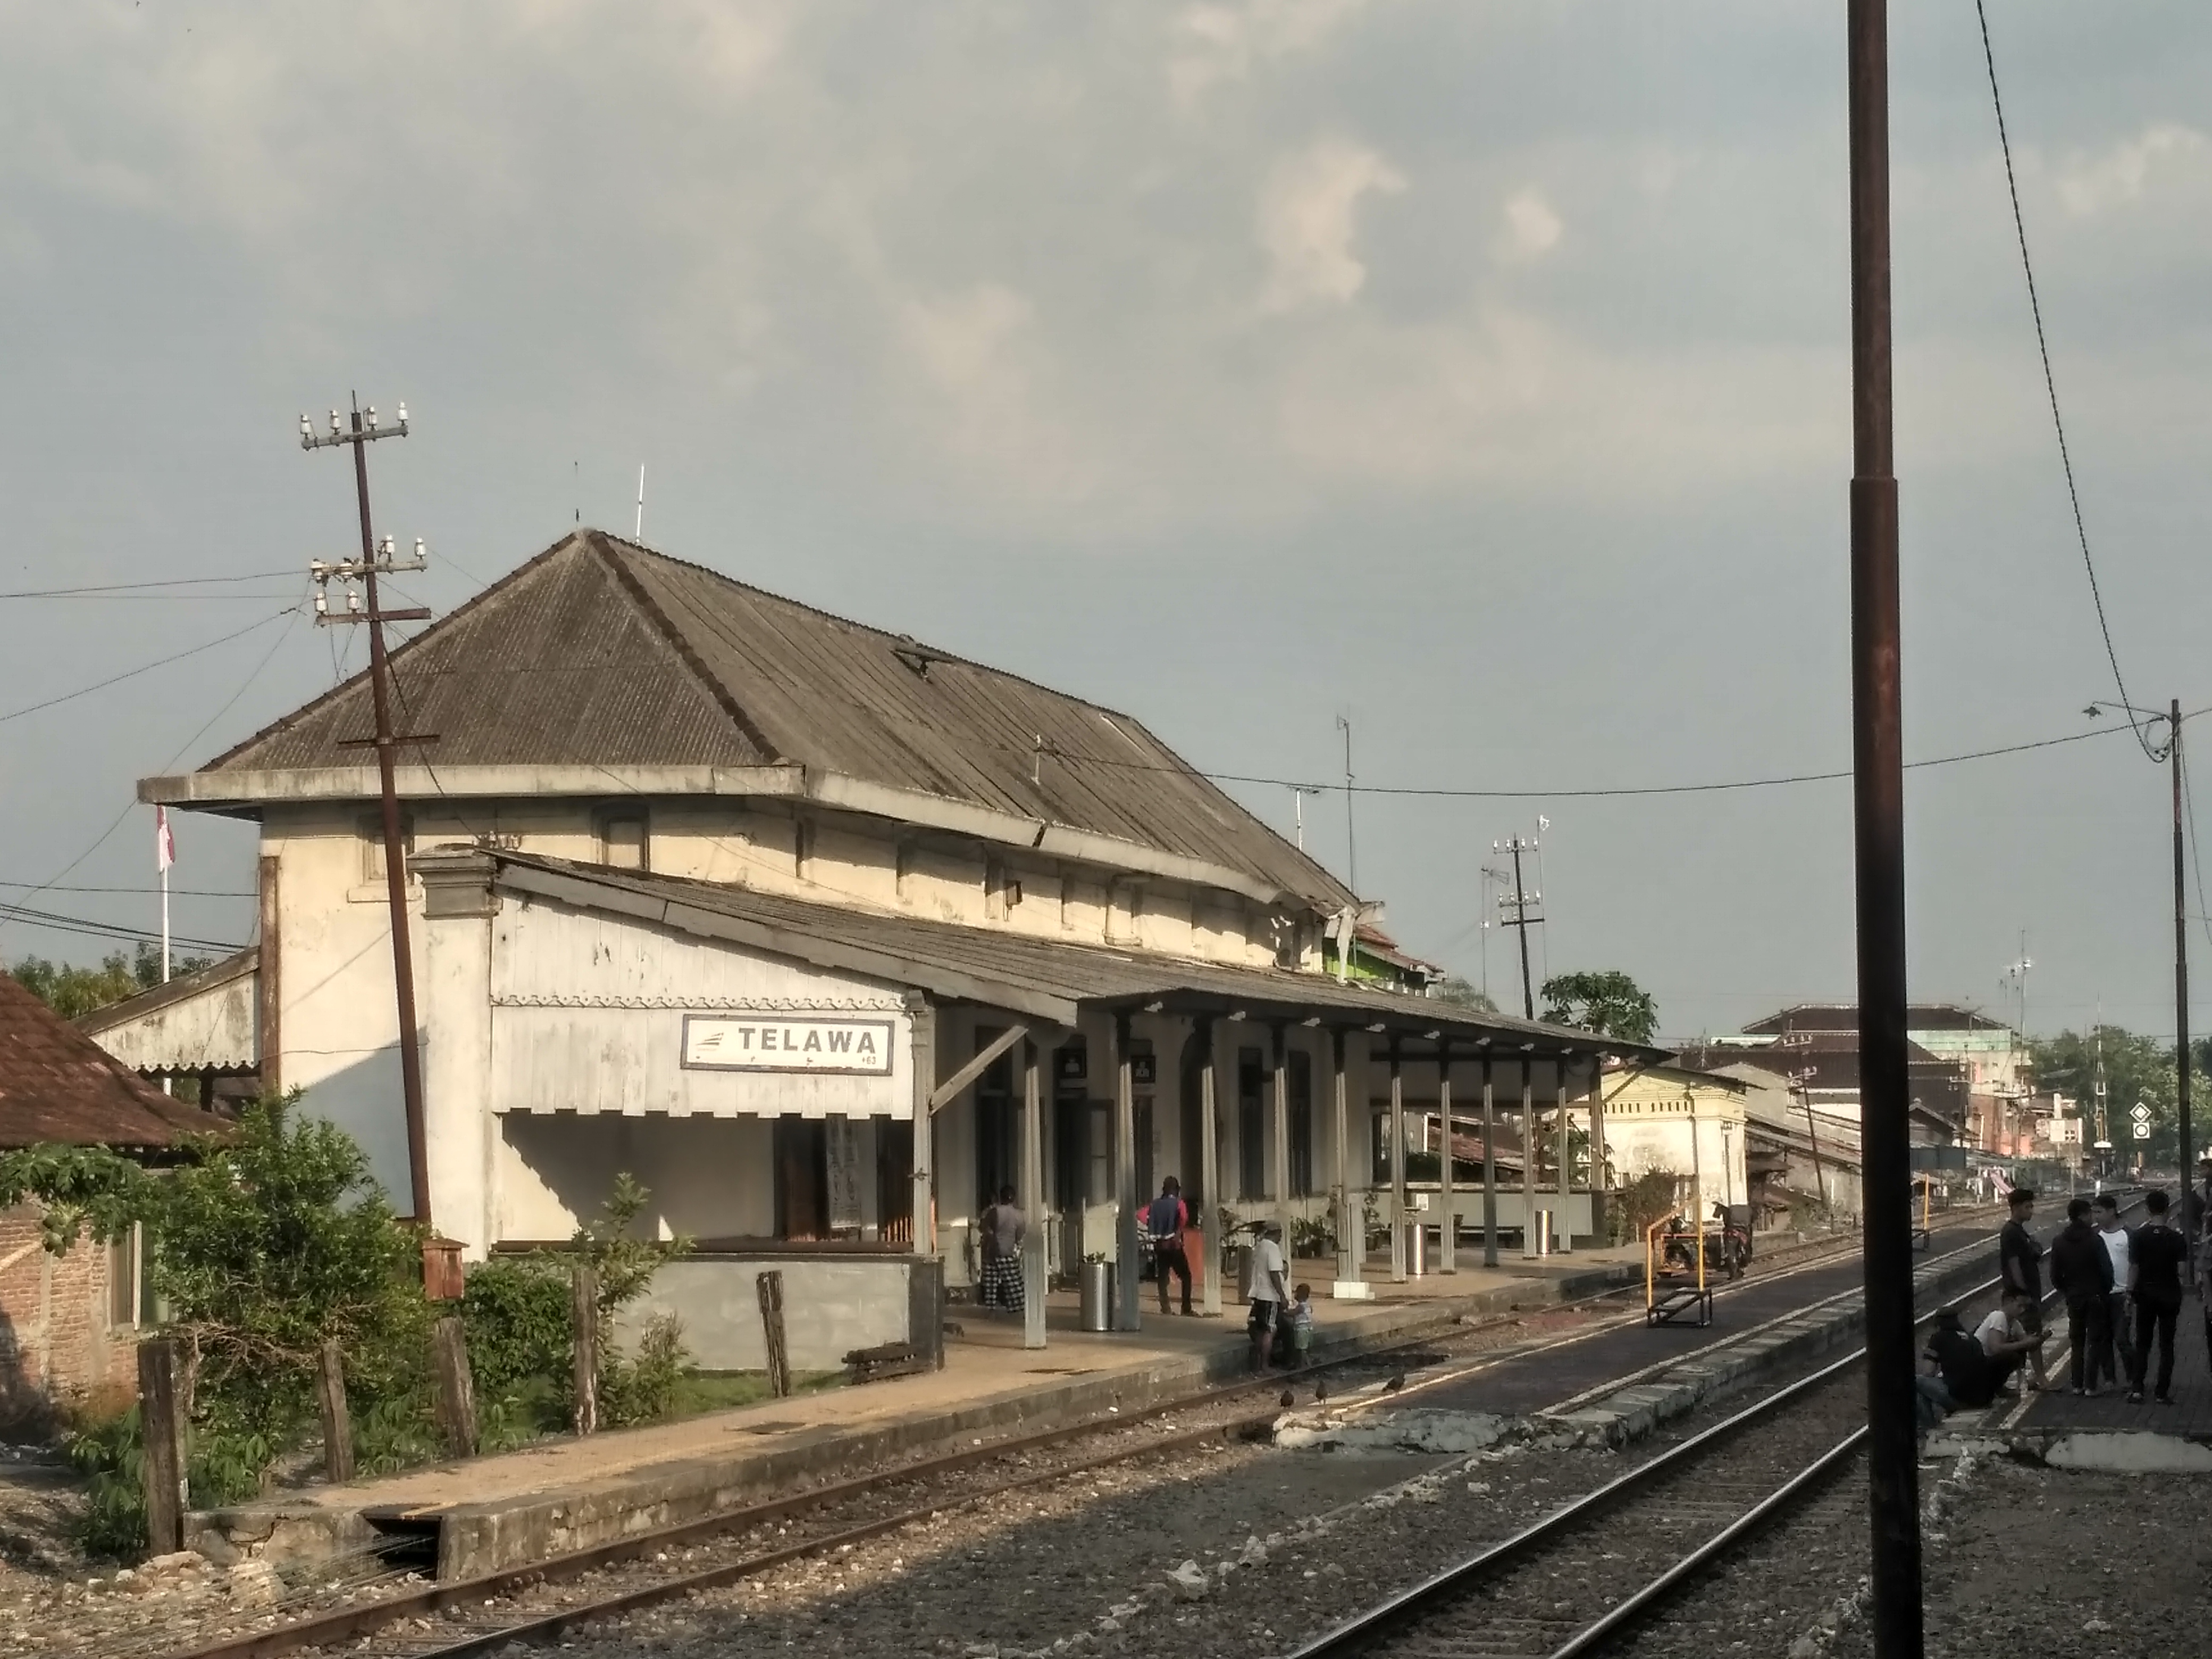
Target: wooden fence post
x=162 y=1429
x=584 y=1314
x=337 y=1426
x=457 y=1403
x=770 y=1286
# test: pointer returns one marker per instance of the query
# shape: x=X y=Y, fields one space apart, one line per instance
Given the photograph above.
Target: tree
x=2137 y=1068
x=1463 y=994
x=1609 y=1002
x=72 y=992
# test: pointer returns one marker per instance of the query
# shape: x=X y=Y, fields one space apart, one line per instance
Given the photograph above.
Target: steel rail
x=347 y=1623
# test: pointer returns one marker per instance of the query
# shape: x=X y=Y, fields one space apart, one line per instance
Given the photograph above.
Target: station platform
x=567 y=1493
x=2056 y=1412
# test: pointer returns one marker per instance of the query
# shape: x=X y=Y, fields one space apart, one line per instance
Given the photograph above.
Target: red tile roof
x=58 y=1086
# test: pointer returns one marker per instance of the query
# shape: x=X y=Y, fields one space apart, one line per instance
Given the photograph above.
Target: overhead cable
x=2051 y=387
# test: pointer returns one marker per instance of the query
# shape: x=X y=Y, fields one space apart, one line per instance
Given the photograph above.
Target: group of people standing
x=2123 y=1289
x=1166 y=1221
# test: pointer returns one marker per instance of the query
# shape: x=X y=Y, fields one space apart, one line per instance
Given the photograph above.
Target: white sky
x=1477 y=369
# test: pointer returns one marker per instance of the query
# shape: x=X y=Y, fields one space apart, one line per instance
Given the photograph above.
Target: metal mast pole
x=2181 y=990
x=1892 y=1453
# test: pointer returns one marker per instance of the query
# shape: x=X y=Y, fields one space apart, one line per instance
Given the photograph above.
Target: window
x=624 y=841
x=802 y=849
x=125 y=1281
x=371 y=843
x=1302 y=1124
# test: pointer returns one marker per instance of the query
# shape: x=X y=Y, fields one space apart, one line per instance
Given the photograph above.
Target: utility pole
x=1799 y=1080
x=1519 y=904
x=375 y=561
x=2181 y=989
x=1878 y=801
x=1350 y=847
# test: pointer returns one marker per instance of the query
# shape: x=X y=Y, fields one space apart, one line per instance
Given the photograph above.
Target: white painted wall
x=212 y=1028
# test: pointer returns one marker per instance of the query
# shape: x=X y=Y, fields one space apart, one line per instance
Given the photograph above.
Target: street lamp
x=2171 y=754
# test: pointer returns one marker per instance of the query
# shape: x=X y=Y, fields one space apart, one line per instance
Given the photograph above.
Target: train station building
x=733 y=895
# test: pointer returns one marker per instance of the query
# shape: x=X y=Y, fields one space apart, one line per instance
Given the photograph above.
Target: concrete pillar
x=1528 y=1155
x=1350 y=1224
x=458 y=1120
x=1129 y=1258
x=1032 y=1195
x=1398 y=1207
x=1489 y=1165
x=1447 y=1245
x=921 y=1023
x=1278 y=1132
x=1209 y=1169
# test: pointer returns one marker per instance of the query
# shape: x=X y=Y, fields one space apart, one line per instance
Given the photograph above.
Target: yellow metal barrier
x=1663 y=1307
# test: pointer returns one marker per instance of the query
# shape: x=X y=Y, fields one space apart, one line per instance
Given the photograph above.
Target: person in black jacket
x=2081 y=1272
x=2155 y=1265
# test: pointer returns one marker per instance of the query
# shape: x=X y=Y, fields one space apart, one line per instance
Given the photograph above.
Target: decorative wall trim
x=713 y=1004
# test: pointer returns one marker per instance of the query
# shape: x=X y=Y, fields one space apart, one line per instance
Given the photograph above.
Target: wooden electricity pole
x=375 y=561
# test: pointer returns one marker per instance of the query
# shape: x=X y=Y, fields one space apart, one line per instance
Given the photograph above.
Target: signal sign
x=2142 y=1131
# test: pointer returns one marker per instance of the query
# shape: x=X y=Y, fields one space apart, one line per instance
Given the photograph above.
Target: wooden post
x=1209 y=1170
x=337 y=1426
x=163 y=1430
x=770 y=1286
x=1448 y=1225
x=1600 y=1228
x=1032 y=1196
x=268 y=987
x=1399 y=1208
x=457 y=1395
x=584 y=1319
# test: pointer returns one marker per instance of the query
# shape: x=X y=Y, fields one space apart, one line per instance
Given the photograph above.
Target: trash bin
x=1543 y=1234
x=1236 y=1269
x=1416 y=1247
x=1095 y=1281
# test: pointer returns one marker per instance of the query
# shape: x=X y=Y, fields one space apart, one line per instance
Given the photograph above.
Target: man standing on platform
x=2081 y=1272
x=2117 y=1354
x=2154 y=1271
x=1269 y=1293
x=1166 y=1219
x=2020 y=1265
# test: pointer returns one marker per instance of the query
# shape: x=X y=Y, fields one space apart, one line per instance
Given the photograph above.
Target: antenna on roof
x=576 y=488
x=639 y=531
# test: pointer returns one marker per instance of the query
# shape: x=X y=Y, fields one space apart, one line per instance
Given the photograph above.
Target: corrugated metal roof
x=600 y=653
x=57 y=1085
x=1049 y=977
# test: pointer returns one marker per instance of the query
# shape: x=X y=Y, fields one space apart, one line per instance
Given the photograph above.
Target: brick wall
x=57 y=1343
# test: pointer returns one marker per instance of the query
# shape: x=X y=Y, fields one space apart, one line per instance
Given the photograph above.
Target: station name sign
x=787 y=1042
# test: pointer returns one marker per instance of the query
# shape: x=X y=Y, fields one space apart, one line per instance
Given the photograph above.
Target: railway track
x=1552 y=1590
x=380 y=1609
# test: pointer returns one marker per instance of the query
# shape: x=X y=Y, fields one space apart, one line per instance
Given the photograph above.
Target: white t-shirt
x=1995 y=1330
x=1266 y=1262
x=2116 y=1246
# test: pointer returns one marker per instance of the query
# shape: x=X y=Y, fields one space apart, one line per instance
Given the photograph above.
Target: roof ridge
x=935 y=653
x=626 y=579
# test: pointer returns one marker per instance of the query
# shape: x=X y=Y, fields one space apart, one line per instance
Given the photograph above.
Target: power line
x=140 y=587
x=2050 y=383
x=87 y=924
x=146 y=668
x=177 y=892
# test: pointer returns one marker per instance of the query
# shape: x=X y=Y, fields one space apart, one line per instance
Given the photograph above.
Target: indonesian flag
x=165 y=842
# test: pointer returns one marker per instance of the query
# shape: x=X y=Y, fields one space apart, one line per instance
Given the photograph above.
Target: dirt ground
x=2093 y=1566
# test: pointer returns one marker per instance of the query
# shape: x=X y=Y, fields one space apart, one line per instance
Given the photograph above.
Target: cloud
x=2124 y=174
x=1305 y=223
x=1217 y=43
x=1532 y=228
